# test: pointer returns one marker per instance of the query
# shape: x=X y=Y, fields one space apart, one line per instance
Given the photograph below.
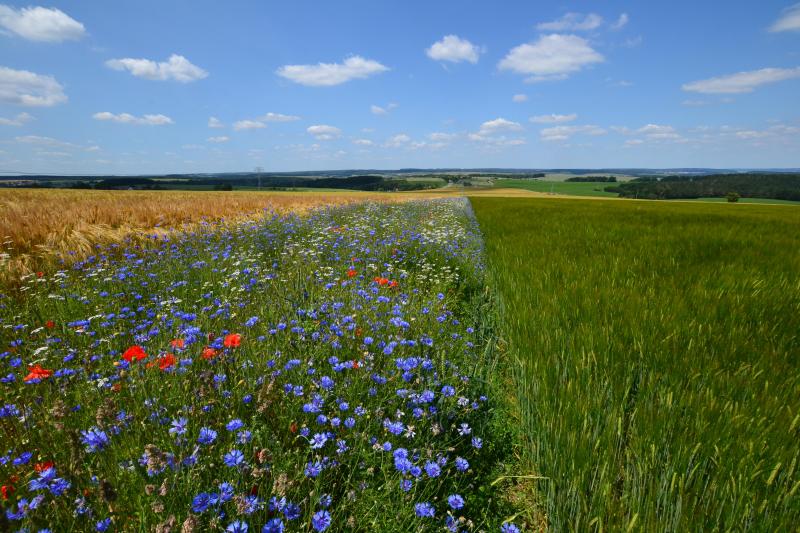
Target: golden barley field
x=39 y=227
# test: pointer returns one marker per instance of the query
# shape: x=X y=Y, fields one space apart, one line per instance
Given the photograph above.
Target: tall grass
x=657 y=359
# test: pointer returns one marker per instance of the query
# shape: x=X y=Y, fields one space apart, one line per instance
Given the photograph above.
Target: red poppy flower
x=39 y=274
x=208 y=353
x=166 y=362
x=351 y=273
x=6 y=491
x=134 y=353
x=381 y=281
x=50 y=324
x=37 y=372
x=177 y=343
x=393 y=283
x=355 y=364
x=232 y=340
x=41 y=467
x=293 y=427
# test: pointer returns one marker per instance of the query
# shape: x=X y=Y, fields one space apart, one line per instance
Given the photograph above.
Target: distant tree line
x=593 y=179
x=364 y=183
x=746 y=185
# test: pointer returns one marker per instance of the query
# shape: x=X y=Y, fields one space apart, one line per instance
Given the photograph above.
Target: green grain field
x=656 y=371
x=572 y=188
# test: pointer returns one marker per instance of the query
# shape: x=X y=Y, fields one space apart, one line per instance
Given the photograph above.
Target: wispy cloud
x=214 y=122
x=19 y=120
x=573 y=22
x=553 y=118
x=742 y=82
x=789 y=20
x=127 y=118
x=563 y=133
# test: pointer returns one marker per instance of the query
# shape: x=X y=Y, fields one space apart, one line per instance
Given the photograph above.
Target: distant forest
x=747 y=185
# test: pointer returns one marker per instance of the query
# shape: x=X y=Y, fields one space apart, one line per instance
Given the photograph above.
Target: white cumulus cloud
x=219 y=139
x=552 y=57
x=742 y=82
x=573 y=22
x=22 y=87
x=214 y=122
x=553 y=118
x=19 y=120
x=248 y=125
x=363 y=142
x=498 y=125
x=323 y=132
x=127 y=118
x=49 y=25
x=176 y=68
x=789 y=21
x=453 y=49
x=328 y=74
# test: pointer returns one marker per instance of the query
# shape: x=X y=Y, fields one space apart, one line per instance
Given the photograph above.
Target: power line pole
x=259 y=170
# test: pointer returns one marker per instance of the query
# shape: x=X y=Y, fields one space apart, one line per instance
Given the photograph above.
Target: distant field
x=558 y=187
x=656 y=359
x=39 y=226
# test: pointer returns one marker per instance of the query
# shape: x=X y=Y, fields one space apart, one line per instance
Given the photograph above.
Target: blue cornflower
x=321 y=520
x=237 y=526
x=251 y=321
x=291 y=511
x=234 y=424
x=432 y=469
x=178 y=426
x=448 y=391
x=477 y=443
x=23 y=459
x=233 y=458
x=207 y=436
x=508 y=527
x=406 y=484
x=395 y=428
x=455 y=501
x=424 y=510
x=273 y=526
x=95 y=439
x=462 y=465
x=313 y=469
x=201 y=502
x=318 y=441
x=225 y=492
x=103 y=525
x=325 y=501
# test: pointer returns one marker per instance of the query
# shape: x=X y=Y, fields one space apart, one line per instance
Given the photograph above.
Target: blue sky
x=131 y=87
